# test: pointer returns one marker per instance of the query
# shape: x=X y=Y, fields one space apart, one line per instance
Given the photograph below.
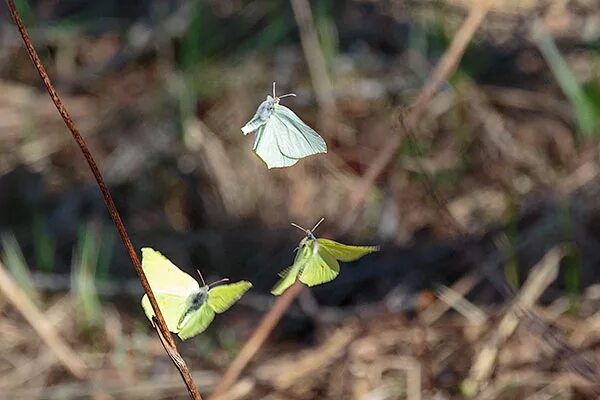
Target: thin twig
x=41 y=325
x=452 y=56
x=254 y=343
x=112 y=209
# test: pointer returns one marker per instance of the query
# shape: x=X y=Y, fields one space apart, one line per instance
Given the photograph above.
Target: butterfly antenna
x=219 y=281
x=317 y=224
x=287 y=95
x=274 y=90
x=201 y=277
x=299 y=227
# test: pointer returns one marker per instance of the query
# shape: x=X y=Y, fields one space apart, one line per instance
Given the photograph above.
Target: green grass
x=587 y=114
x=44 y=245
x=85 y=264
x=13 y=258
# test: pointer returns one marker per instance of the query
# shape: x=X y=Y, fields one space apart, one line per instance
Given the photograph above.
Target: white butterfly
x=281 y=136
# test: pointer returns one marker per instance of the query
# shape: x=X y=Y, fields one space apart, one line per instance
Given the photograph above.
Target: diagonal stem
x=110 y=204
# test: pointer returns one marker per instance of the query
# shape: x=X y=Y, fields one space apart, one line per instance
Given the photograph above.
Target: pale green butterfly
x=187 y=307
x=316 y=261
x=281 y=136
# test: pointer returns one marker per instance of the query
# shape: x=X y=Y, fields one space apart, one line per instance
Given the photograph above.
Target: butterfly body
x=187 y=307
x=194 y=302
x=263 y=113
x=282 y=138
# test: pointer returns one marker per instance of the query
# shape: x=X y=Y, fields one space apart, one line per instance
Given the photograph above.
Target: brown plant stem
x=112 y=209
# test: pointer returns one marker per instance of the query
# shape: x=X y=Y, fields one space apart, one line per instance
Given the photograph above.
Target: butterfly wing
x=164 y=276
x=321 y=267
x=262 y=115
x=221 y=297
x=266 y=147
x=290 y=274
x=288 y=277
x=294 y=138
x=171 y=306
x=197 y=322
x=344 y=252
x=171 y=287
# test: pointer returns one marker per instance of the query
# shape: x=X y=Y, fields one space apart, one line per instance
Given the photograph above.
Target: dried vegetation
x=498 y=183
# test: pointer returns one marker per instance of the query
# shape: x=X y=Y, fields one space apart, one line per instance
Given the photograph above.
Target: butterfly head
x=309 y=234
x=277 y=98
x=308 y=243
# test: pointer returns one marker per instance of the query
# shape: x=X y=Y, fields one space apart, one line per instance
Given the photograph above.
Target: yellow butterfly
x=187 y=307
x=316 y=261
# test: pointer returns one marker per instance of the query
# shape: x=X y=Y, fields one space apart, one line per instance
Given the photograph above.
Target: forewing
x=164 y=277
x=290 y=274
x=171 y=306
x=321 y=267
x=344 y=252
x=198 y=321
x=294 y=138
x=266 y=147
x=221 y=297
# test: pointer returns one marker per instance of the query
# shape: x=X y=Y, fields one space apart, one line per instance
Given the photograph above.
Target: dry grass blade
x=452 y=56
x=412 y=369
x=460 y=287
x=41 y=325
x=463 y=306
x=540 y=277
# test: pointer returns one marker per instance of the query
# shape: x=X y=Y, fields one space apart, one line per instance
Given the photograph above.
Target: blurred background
x=492 y=193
